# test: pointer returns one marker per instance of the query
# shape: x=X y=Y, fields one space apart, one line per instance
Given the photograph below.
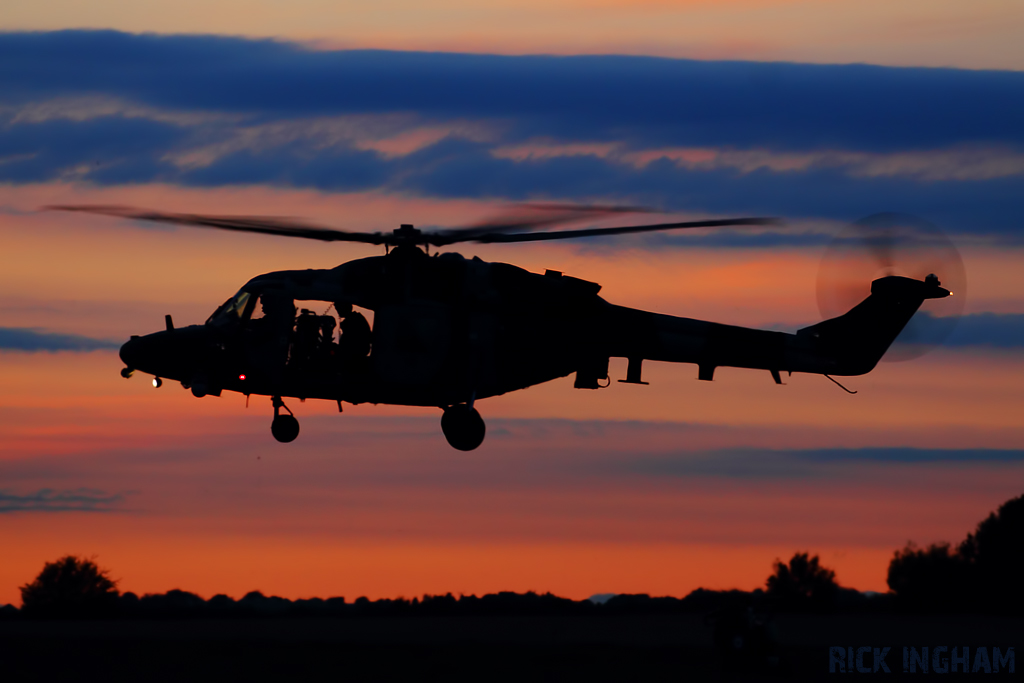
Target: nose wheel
x=285 y=428
x=463 y=427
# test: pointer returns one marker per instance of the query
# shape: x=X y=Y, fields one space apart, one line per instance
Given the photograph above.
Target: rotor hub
x=407 y=233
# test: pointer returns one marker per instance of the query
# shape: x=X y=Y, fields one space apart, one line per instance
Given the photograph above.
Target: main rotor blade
x=257 y=224
x=533 y=216
x=498 y=238
x=495 y=232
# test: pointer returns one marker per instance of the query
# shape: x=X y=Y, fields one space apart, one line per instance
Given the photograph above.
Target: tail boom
x=851 y=344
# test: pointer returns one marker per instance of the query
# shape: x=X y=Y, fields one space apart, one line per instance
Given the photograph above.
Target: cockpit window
x=232 y=309
x=238 y=304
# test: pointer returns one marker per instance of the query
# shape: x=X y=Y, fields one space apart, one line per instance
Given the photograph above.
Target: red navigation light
x=241 y=377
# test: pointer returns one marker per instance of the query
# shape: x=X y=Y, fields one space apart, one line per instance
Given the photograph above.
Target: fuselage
x=448 y=330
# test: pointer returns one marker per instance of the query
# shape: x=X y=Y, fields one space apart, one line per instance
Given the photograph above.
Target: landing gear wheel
x=285 y=428
x=463 y=427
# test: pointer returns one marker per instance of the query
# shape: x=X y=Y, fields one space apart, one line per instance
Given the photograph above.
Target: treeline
x=72 y=587
x=179 y=604
x=182 y=604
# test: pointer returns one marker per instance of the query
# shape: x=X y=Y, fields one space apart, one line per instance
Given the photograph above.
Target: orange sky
x=377 y=505
x=374 y=502
x=631 y=489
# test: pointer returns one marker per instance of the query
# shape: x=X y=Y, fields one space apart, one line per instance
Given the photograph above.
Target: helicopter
x=449 y=331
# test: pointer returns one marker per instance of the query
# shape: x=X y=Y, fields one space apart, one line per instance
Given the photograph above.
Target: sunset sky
x=364 y=116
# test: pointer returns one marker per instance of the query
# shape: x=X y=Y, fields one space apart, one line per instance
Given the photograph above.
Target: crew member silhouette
x=307 y=338
x=355 y=332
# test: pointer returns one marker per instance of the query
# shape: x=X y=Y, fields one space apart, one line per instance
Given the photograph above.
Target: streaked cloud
x=51 y=500
x=93 y=107
x=827 y=463
x=28 y=339
x=390 y=135
x=993 y=330
x=972 y=331
x=969 y=163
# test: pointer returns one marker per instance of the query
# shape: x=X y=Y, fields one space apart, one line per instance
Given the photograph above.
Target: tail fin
x=858 y=339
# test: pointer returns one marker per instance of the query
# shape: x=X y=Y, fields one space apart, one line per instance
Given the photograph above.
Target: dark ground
x=529 y=648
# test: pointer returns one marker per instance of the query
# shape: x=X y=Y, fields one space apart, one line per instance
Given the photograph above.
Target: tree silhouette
x=919 y=576
x=802 y=583
x=982 y=574
x=70 y=587
x=995 y=553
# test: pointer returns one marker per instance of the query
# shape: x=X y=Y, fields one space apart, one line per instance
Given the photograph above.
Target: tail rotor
x=894 y=244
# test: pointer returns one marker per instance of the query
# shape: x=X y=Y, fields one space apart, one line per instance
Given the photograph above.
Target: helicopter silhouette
x=449 y=331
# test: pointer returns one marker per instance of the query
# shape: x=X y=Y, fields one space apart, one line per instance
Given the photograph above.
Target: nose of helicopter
x=132 y=352
x=170 y=354
x=153 y=353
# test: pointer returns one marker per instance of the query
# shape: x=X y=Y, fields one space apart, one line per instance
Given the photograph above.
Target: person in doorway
x=355 y=332
x=306 y=339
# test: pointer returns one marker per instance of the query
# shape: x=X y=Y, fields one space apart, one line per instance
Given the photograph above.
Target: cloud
x=64 y=149
x=997 y=330
x=796 y=140
x=49 y=500
x=389 y=134
x=28 y=339
x=909 y=455
x=677 y=102
x=464 y=169
x=969 y=331
x=968 y=163
x=93 y=107
x=763 y=463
